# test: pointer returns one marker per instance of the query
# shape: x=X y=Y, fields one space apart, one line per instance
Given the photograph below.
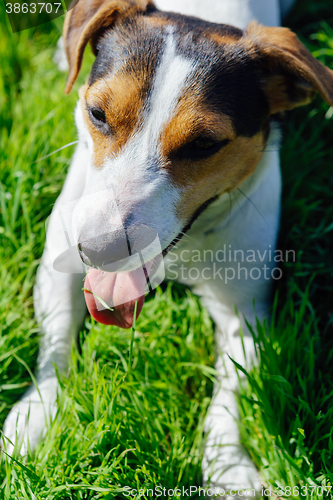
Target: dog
x=177 y=119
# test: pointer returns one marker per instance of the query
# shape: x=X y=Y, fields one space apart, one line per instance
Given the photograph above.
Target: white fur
x=168 y=85
x=141 y=187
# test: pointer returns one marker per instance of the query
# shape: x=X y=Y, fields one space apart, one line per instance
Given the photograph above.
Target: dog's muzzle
x=120 y=250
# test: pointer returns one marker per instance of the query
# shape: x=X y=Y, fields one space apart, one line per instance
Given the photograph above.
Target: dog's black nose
x=109 y=251
x=104 y=249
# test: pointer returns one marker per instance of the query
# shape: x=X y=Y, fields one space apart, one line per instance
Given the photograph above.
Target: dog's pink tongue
x=120 y=291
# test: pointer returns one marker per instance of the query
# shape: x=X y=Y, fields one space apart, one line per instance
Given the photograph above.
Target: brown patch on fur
x=122 y=100
x=102 y=143
x=86 y=19
x=159 y=20
x=191 y=121
x=277 y=93
x=187 y=126
x=293 y=75
x=226 y=39
x=221 y=173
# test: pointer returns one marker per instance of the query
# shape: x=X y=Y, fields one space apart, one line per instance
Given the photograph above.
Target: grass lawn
x=136 y=419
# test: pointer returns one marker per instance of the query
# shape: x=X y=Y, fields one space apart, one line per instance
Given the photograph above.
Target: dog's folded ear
x=291 y=75
x=86 y=19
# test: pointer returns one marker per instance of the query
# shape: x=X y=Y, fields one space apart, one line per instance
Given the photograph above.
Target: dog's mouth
x=113 y=288
x=112 y=297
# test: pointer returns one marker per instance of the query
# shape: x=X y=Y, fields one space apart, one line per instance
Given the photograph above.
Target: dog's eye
x=98 y=114
x=208 y=145
x=201 y=148
x=204 y=145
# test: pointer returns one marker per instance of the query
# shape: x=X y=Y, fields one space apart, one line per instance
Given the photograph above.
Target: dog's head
x=176 y=111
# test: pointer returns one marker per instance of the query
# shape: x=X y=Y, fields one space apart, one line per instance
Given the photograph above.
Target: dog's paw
x=28 y=419
x=227 y=466
x=59 y=56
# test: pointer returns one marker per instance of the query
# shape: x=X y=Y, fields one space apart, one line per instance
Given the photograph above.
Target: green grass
x=140 y=424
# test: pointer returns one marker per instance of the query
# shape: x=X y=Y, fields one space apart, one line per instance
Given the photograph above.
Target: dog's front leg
x=227 y=465
x=60 y=310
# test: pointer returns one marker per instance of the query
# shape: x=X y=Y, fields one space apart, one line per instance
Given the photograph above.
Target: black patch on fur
x=234 y=87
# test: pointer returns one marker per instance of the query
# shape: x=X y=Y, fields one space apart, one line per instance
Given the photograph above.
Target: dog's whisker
x=185 y=235
x=56 y=151
x=254 y=206
x=190 y=237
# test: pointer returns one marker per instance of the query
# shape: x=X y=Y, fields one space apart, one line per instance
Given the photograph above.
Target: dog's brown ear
x=292 y=76
x=85 y=19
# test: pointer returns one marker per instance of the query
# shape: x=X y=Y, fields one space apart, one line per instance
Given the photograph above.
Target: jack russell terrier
x=177 y=119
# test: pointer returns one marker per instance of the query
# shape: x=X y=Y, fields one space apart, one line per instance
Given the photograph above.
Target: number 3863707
x=33 y=8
